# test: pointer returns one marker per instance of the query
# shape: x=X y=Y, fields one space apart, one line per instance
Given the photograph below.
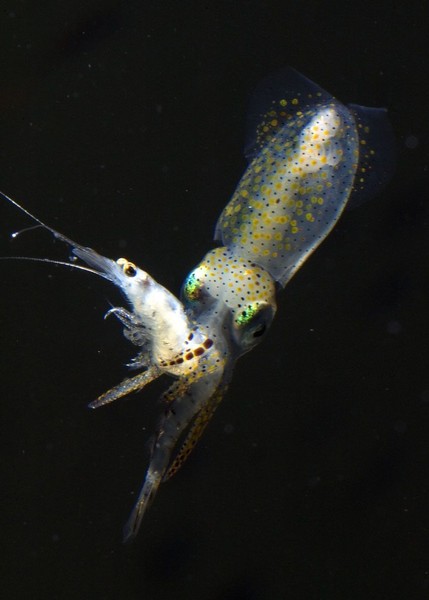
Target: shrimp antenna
x=15 y=234
x=54 y=262
x=74 y=245
x=55 y=233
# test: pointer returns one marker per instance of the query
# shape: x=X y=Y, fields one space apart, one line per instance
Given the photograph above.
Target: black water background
x=122 y=124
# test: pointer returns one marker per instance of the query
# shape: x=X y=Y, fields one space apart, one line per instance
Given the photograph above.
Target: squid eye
x=260 y=330
x=251 y=324
x=192 y=288
x=247 y=315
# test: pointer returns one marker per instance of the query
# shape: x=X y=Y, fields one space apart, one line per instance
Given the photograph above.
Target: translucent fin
x=132 y=384
x=276 y=99
x=377 y=153
x=197 y=429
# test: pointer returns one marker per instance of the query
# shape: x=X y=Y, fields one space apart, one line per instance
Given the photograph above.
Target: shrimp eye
x=130 y=270
x=128 y=267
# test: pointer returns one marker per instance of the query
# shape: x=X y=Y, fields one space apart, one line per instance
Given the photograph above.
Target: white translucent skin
x=293 y=191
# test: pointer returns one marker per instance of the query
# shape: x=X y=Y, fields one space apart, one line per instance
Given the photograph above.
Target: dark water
x=122 y=125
